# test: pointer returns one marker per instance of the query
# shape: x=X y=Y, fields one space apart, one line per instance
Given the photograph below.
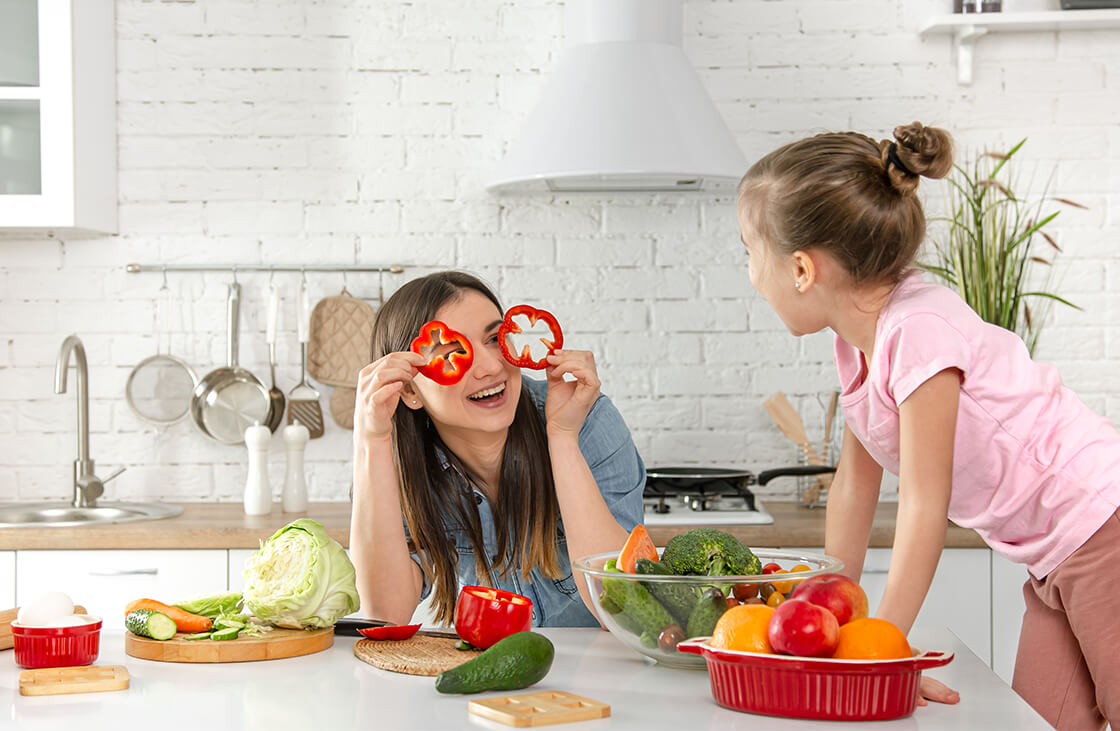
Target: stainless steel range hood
x=623 y=111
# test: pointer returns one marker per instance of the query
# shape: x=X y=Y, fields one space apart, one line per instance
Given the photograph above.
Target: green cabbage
x=212 y=605
x=300 y=578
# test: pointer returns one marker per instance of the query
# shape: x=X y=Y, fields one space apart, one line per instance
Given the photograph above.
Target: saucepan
x=230 y=399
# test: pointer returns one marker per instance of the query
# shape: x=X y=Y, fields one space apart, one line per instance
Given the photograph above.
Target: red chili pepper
x=484 y=615
x=390 y=632
x=428 y=342
x=524 y=359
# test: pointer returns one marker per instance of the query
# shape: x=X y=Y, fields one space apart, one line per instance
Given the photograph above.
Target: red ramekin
x=52 y=647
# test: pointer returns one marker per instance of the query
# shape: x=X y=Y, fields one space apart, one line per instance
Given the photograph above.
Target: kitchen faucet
x=87 y=485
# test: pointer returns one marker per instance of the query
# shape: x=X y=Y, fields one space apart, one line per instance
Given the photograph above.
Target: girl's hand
x=379 y=391
x=936 y=691
x=569 y=402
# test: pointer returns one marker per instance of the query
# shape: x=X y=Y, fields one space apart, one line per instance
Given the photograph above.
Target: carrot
x=638 y=545
x=184 y=621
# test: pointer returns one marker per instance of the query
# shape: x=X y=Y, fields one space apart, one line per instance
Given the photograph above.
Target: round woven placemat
x=418 y=655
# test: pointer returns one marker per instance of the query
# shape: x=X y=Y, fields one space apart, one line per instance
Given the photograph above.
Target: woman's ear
x=805 y=270
x=411 y=398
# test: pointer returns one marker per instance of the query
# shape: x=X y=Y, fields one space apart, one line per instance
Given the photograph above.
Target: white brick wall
x=350 y=132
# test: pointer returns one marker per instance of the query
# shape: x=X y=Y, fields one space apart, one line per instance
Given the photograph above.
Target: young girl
x=501 y=480
x=975 y=430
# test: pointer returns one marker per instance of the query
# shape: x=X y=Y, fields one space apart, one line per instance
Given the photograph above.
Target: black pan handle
x=818 y=469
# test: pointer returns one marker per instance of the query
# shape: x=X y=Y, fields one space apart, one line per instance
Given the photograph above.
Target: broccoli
x=709 y=552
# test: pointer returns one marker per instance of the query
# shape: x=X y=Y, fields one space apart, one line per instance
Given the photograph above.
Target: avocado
x=516 y=661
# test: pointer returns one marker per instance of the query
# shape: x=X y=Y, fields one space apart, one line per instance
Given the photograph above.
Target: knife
x=349 y=626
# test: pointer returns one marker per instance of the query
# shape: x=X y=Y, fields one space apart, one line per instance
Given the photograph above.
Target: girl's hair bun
x=919 y=151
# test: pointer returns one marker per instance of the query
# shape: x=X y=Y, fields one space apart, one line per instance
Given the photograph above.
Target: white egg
x=46 y=609
x=72 y=621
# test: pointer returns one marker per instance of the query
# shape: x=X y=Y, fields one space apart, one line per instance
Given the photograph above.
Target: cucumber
x=710 y=607
x=226 y=633
x=197 y=636
x=642 y=612
x=679 y=599
x=149 y=623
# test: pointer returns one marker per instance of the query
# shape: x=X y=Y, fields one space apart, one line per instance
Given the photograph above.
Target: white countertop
x=334 y=690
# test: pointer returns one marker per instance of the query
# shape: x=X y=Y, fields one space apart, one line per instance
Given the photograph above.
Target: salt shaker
x=258 y=494
x=295 y=484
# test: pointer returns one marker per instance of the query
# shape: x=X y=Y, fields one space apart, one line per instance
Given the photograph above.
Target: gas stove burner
x=680 y=495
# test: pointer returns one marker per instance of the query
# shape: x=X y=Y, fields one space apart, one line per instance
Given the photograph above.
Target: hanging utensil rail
x=137 y=268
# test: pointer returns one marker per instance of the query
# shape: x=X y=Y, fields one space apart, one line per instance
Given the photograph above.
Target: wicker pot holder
x=338 y=348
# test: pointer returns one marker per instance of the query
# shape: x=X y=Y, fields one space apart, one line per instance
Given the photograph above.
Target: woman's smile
x=489 y=397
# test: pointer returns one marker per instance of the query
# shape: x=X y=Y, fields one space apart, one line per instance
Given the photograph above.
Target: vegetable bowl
x=651 y=613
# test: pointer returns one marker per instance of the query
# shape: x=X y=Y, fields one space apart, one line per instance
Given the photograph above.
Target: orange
x=744 y=628
x=870 y=638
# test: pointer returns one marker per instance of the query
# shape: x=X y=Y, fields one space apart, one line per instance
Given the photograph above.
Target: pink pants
x=1068 y=664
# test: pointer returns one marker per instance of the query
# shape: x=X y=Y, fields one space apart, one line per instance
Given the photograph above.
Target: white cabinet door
x=58 y=124
x=7 y=579
x=1007 y=613
x=105 y=581
x=959 y=597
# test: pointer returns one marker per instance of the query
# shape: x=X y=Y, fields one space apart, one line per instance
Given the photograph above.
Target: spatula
x=303 y=400
x=275 y=395
x=790 y=424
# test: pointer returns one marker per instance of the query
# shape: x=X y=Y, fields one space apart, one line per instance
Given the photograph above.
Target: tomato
x=783 y=587
x=775 y=599
x=484 y=615
x=771 y=568
x=743 y=592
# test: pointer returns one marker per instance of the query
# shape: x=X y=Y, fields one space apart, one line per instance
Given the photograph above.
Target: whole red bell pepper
x=484 y=615
x=524 y=359
x=443 y=369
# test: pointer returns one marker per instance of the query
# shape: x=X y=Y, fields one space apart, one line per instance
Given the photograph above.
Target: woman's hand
x=379 y=391
x=936 y=691
x=569 y=402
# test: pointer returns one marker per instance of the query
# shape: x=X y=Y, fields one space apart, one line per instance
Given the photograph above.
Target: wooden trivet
x=539 y=708
x=418 y=655
x=76 y=679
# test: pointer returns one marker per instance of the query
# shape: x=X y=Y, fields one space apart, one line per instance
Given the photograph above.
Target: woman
x=500 y=479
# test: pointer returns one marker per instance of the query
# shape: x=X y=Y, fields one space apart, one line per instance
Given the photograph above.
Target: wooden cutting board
x=84 y=679
x=272 y=645
x=418 y=655
x=8 y=616
x=539 y=708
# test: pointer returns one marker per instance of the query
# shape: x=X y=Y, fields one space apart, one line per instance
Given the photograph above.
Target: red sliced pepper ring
x=484 y=615
x=524 y=359
x=444 y=370
x=390 y=632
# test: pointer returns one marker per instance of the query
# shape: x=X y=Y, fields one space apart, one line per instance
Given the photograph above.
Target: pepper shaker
x=295 y=483
x=258 y=494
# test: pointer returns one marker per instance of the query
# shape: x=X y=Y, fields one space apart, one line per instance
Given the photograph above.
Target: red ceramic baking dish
x=52 y=647
x=816 y=688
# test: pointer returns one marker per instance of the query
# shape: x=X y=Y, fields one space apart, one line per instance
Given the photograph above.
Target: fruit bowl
x=816 y=688
x=52 y=647
x=636 y=625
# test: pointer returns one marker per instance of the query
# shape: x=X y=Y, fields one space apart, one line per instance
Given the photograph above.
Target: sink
x=62 y=514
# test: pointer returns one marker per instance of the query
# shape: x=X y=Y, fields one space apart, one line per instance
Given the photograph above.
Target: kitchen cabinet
x=7 y=579
x=959 y=597
x=58 y=147
x=1007 y=613
x=105 y=581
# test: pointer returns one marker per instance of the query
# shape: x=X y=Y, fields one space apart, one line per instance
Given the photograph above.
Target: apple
x=836 y=593
x=801 y=628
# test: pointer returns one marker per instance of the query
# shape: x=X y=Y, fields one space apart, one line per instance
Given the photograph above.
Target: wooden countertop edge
x=225 y=526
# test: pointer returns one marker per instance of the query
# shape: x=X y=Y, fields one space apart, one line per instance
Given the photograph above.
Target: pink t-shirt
x=1035 y=472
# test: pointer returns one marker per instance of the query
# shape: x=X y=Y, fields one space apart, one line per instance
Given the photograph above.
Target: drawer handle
x=124 y=572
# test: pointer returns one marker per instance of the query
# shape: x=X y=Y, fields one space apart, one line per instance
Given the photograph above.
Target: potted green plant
x=987 y=251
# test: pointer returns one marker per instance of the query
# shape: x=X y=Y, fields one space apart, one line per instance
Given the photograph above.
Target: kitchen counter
x=334 y=690
x=225 y=525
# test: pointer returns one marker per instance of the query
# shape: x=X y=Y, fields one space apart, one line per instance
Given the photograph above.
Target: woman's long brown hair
x=526 y=513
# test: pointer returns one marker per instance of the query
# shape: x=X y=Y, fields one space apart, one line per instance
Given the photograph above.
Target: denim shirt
x=604 y=440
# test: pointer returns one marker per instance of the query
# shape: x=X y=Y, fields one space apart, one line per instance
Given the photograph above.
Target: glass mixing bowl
x=634 y=624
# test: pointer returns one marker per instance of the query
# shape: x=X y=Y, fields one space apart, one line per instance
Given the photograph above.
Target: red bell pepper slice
x=524 y=359
x=390 y=632
x=484 y=615
x=443 y=369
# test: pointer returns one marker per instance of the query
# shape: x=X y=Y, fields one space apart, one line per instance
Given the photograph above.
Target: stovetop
x=702 y=502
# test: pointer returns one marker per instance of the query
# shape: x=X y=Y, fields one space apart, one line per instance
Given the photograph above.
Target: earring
x=797 y=284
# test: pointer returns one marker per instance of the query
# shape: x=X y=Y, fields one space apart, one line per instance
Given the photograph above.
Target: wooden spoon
x=790 y=424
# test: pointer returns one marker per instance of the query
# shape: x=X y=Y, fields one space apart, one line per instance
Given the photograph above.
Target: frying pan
x=670 y=480
x=230 y=399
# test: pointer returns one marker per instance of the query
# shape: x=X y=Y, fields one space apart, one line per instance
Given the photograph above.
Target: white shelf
x=20 y=93
x=965 y=28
